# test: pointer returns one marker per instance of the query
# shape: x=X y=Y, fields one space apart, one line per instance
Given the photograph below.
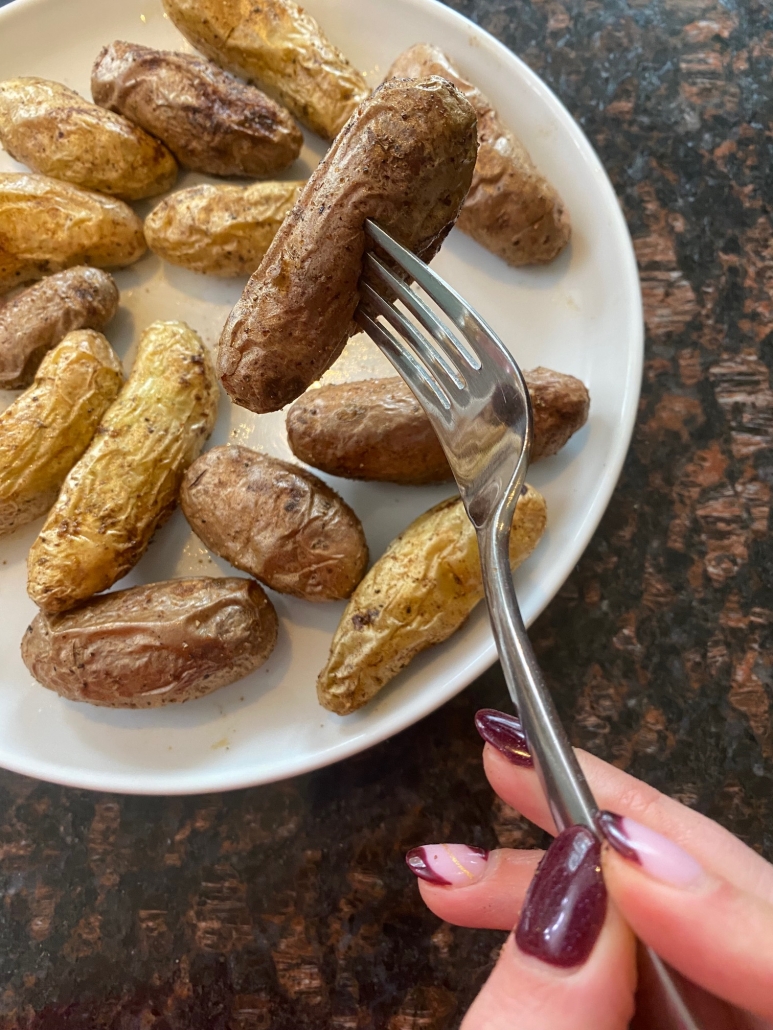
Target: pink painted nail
x=656 y=854
x=448 y=865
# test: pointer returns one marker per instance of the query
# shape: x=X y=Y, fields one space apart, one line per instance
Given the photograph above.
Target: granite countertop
x=289 y=906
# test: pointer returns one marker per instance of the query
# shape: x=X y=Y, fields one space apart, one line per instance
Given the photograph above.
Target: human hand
x=685 y=886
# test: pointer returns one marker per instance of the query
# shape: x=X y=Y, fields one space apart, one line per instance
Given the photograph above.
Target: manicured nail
x=656 y=854
x=504 y=732
x=566 y=902
x=449 y=865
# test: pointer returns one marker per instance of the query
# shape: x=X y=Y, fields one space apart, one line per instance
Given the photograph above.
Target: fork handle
x=564 y=783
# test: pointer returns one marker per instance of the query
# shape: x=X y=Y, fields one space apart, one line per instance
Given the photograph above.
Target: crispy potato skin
x=210 y=120
x=153 y=645
x=405 y=159
x=276 y=521
x=281 y=48
x=53 y=130
x=375 y=429
x=417 y=594
x=126 y=484
x=511 y=209
x=46 y=430
x=220 y=230
x=36 y=319
x=47 y=226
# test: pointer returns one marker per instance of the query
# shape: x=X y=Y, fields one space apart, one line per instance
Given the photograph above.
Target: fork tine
x=424 y=314
x=430 y=393
x=431 y=357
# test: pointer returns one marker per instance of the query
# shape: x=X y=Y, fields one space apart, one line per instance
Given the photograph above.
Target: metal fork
x=475 y=396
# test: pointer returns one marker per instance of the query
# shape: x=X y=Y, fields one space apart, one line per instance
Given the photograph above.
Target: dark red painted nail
x=504 y=732
x=566 y=902
x=448 y=865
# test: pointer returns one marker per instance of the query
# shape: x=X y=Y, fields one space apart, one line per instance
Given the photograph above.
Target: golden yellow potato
x=280 y=47
x=53 y=130
x=219 y=230
x=126 y=484
x=46 y=430
x=153 y=645
x=418 y=593
x=47 y=225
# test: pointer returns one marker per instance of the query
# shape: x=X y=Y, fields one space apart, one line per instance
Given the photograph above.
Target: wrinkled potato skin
x=376 y=430
x=54 y=131
x=211 y=121
x=281 y=48
x=275 y=521
x=46 y=430
x=511 y=209
x=405 y=159
x=153 y=645
x=417 y=594
x=127 y=483
x=47 y=226
x=35 y=320
x=220 y=230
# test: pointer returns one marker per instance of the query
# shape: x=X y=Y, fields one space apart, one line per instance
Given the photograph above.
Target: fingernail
x=566 y=902
x=656 y=854
x=449 y=865
x=504 y=732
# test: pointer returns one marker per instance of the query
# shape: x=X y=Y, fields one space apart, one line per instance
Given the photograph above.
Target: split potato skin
x=211 y=121
x=220 y=230
x=280 y=47
x=511 y=209
x=35 y=320
x=54 y=131
x=46 y=430
x=376 y=430
x=127 y=483
x=153 y=645
x=405 y=159
x=275 y=521
x=417 y=594
x=47 y=226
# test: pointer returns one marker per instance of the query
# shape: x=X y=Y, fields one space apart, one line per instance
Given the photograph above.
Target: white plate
x=580 y=315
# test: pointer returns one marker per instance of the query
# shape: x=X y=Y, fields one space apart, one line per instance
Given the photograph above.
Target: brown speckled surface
x=290 y=906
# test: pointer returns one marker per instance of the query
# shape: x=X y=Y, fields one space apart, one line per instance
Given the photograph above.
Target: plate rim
x=215 y=780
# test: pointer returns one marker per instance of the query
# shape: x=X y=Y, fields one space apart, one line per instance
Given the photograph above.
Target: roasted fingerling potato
x=47 y=429
x=405 y=159
x=375 y=429
x=35 y=320
x=277 y=45
x=275 y=521
x=220 y=230
x=153 y=645
x=417 y=594
x=211 y=121
x=511 y=209
x=54 y=131
x=127 y=483
x=47 y=226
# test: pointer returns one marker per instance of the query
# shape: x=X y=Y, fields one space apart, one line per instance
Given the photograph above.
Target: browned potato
x=126 y=484
x=36 y=319
x=210 y=120
x=405 y=160
x=153 y=645
x=276 y=521
x=511 y=208
x=46 y=226
x=53 y=130
x=46 y=430
x=220 y=230
x=418 y=593
x=282 y=48
x=377 y=430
